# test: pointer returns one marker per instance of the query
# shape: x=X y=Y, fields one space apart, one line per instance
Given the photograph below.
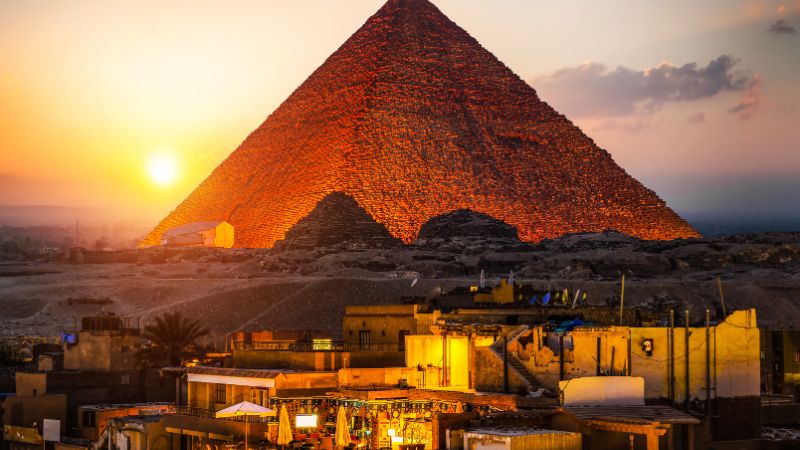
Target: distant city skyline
x=700 y=102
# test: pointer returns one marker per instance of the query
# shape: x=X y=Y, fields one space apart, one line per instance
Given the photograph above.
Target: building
x=93 y=419
x=99 y=366
x=384 y=327
x=105 y=342
x=200 y=234
x=22 y=416
x=139 y=432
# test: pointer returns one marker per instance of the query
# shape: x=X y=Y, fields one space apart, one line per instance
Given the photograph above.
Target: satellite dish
x=433 y=294
x=414 y=282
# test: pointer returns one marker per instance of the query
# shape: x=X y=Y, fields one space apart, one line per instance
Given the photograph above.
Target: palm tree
x=172 y=340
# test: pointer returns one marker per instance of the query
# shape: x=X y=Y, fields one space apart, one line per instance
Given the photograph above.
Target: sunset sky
x=99 y=100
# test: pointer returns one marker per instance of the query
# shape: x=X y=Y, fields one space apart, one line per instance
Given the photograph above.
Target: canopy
x=245 y=409
x=284 y=428
x=342 y=430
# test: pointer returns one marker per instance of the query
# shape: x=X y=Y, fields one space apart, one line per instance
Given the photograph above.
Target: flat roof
x=191 y=228
x=112 y=406
x=511 y=431
x=632 y=414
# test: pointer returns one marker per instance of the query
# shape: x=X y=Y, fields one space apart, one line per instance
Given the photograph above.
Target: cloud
x=592 y=89
x=781 y=26
x=750 y=101
x=697 y=118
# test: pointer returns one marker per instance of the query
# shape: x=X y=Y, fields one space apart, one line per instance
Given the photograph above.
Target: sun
x=162 y=168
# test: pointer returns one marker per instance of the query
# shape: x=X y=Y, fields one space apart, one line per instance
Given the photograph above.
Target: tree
x=172 y=340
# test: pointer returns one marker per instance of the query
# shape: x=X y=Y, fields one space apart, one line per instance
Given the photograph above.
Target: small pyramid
x=413 y=118
x=337 y=220
x=464 y=223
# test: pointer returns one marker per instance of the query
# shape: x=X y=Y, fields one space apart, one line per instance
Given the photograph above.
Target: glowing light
x=306 y=421
x=163 y=168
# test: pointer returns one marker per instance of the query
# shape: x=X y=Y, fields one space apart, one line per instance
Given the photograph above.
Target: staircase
x=514 y=363
x=517 y=365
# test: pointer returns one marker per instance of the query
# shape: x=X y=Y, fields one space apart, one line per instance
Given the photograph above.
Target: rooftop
x=632 y=414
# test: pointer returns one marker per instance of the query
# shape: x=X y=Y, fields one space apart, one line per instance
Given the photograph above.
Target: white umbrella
x=245 y=409
x=342 y=430
x=284 y=428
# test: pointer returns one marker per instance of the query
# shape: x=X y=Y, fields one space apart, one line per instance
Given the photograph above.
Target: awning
x=231 y=380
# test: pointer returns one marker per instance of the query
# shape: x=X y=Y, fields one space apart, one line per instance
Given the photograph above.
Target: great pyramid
x=413 y=118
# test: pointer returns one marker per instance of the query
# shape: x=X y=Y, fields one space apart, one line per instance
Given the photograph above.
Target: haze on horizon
x=704 y=113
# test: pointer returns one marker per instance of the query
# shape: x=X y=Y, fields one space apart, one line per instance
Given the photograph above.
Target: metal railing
x=318 y=347
x=212 y=414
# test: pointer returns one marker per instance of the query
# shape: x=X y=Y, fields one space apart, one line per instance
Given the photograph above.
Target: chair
x=326 y=443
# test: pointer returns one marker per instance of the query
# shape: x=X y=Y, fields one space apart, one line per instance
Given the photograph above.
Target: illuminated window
x=305 y=421
x=322 y=344
x=219 y=393
x=797 y=357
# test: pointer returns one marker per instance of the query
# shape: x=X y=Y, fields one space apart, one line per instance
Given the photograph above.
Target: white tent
x=245 y=409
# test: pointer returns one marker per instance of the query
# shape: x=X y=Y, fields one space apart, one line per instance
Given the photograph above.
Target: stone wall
x=413 y=118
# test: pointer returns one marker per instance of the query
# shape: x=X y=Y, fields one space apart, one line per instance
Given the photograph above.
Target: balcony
x=200 y=422
x=211 y=414
x=328 y=346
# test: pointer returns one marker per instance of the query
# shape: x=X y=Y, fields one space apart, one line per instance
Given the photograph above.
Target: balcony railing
x=318 y=347
x=211 y=414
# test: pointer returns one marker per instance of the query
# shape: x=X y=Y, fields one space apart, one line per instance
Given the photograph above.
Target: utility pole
x=621 y=299
x=686 y=350
x=722 y=298
x=505 y=363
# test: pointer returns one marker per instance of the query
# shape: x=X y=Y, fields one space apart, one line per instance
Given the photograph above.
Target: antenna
x=621 y=299
x=722 y=298
x=77 y=233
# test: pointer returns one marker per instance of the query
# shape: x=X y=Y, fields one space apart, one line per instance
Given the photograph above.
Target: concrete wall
x=354 y=378
x=30 y=383
x=25 y=410
x=385 y=323
x=321 y=360
x=595 y=391
x=102 y=350
x=449 y=354
x=488 y=372
x=580 y=353
x=102 y=417
x=202 y=395
x=734 y=348
x=734 y=366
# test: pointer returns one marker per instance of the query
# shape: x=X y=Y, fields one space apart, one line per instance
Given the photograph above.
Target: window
x=797 y=357
x=259 y=396
x=364 y=337
x=401 y=339
x=125 y=378
x=219 y=393
x=88 y=419
x=124 y=349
